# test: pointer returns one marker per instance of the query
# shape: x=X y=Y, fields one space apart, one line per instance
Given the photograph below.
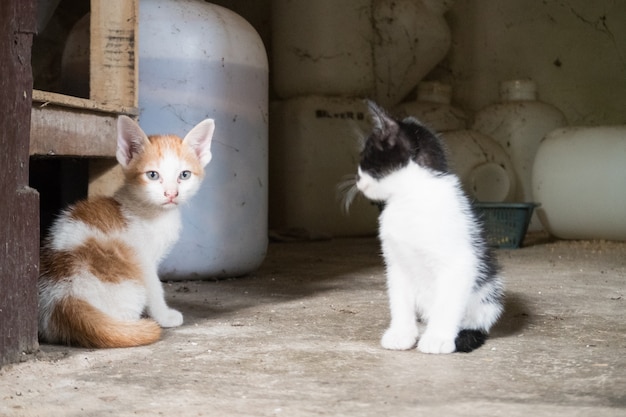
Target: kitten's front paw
x=169 y=318
x=434 y=344
x=395 y=339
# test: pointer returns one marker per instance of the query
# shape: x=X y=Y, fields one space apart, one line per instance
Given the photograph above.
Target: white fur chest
x=424 y=214
x=153 y=238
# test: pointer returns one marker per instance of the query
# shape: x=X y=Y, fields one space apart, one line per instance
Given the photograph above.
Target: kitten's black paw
x=468 y=340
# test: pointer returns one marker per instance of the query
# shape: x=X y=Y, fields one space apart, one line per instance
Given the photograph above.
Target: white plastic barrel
x=378 y=49
x=485 y=170
x=75 y=60
x=412 y=37
x=322 y=47
x=433 y=108
x=315 y=144
x=579 y=177
x=518 y=123
x=197 y=61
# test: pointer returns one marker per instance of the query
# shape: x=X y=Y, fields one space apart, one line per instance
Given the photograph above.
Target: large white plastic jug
x=579 y=177
x=433 y=108
x=315 y=145
x=356 y=48
x=484 y=168
x=518 y=123
x=198 y=60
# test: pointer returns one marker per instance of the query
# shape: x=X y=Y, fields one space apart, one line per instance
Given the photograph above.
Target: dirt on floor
x=300 y=337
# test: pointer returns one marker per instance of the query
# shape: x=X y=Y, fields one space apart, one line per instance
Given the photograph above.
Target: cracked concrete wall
x=575 y=50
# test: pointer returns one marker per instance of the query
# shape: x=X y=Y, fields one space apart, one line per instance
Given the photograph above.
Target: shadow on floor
x=515 y=318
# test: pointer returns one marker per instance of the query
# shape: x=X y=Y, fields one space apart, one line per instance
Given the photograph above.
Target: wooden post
x=113 y=73
x=113 y=61
x=19 y=208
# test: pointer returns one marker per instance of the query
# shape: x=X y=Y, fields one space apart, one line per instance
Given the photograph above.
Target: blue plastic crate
x=505 y=223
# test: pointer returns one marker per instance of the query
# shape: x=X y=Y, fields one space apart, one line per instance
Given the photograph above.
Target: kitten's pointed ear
x=130 y=140
x=385 y=127
x=199 y=138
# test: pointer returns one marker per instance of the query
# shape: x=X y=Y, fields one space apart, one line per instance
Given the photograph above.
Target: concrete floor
x=301 y=338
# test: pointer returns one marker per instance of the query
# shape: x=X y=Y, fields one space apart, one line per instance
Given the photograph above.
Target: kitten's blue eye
x=152 y=175
x=185 y=175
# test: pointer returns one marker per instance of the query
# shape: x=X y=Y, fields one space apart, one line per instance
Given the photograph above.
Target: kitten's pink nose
x=171 y=194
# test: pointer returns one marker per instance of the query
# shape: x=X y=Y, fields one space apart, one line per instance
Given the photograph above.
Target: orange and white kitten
x=99 y=262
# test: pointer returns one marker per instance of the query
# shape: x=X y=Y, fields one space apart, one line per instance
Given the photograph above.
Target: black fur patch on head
x=393 y=143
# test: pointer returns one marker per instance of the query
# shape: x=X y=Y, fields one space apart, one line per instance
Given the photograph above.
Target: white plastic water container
x=378 y=49
x=75 y=60
x=518 y=123
x=322 y=47
x=485 y=170
x=412 y=37
x=315 y=144
x=433 y=108
x=579 y=177
x=197 y=61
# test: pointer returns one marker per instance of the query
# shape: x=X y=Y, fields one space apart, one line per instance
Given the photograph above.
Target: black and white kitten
x=438 y=265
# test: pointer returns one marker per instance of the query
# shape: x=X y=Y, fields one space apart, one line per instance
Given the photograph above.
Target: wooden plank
x=113 y=77
x=45 y=99
x=59 y=131
x=19 y=209
x=72 y=126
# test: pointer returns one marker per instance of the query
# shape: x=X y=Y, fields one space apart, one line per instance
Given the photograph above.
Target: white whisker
x=347 y=191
